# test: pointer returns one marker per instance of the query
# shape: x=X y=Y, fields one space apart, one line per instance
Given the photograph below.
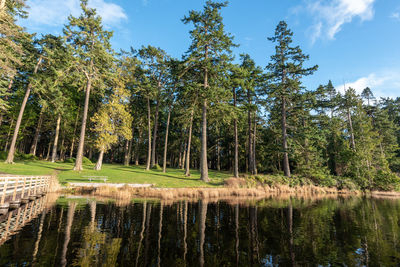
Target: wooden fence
x=17 y=190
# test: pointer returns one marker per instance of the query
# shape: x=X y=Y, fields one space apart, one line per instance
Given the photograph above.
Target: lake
x=285 y=231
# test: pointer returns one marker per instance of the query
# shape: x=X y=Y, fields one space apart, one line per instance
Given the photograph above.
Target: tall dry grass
x=232 y=189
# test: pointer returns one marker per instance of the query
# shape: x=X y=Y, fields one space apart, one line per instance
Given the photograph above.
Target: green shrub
x=70 y=160
x=347 y=183
x=386 y=180
x=3 y=155
x=157 y=167
x=85 y=160
x=19 y=156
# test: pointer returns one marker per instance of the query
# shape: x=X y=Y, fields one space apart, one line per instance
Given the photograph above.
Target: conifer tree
x=93 y=57
x=209 y=53
x=285 y=72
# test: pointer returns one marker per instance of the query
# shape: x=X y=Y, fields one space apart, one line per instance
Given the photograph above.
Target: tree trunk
x=54 y=155
x=79 y=155
x=48 y=151
x=149 y=134
x=166 y=141
x=37 y=132
x=137 y=147
x=235 y=129
x=62 y=149
x=187 y=165
x=353 y=143
x=153 y=149
x=218 y=155
x=73 y=135
x=286 y=167
x=126 y=153
x=203 y=160
x=250 y=137
x=254 y=145
x=184 y=155
x=11 y=152
x=8 y=134
x=99 y=161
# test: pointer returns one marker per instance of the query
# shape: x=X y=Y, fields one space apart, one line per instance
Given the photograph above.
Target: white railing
x=13 y=188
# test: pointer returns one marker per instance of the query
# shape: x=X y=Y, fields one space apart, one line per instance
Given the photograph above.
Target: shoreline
x=128 y=192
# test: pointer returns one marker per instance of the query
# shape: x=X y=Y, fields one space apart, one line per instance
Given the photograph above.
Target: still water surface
x=269 y=232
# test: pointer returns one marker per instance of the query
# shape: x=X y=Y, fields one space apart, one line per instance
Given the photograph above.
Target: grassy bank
x=116 y=174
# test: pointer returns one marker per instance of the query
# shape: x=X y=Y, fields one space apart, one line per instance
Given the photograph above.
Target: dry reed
x=231 y=190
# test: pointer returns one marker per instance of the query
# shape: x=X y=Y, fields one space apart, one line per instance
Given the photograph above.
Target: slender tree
x=91 y=45
x=285 y=71
x=209 y=52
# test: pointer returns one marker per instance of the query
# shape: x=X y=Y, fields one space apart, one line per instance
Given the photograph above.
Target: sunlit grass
x=116 y=174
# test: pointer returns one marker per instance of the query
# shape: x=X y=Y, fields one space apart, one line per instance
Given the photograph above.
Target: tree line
x=74 y=98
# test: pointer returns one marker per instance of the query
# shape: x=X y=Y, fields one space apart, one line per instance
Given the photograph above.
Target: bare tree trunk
x=79 y=155
x=62 y=149
x=203 y=160
x=8 y=134
x=11 y=152
x=153 y=149
x=126 y=153
x=218 y=155
x=48 y=151
x=37 y=132
x=137 y=147
x=187 y=165
x=353 y=143
x=235 y=129
x=250 y=132
x=166 y=141
x=149 y=134
x=184 y=155
x=54 y=155
x=286 y=167
x=254 y=145
x=99 y=161
x=73 y=135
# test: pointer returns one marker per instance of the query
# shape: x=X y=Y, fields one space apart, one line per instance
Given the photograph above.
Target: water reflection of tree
x=97 y=248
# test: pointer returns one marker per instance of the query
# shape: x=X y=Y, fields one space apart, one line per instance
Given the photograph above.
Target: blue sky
x=354 y=42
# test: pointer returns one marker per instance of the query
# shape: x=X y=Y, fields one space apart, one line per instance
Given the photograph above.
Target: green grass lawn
x=116 y=174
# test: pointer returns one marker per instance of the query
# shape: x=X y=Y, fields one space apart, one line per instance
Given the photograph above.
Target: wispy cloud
x=330 y=15
x=56 y=12
x=395 y=16
x=383 y=84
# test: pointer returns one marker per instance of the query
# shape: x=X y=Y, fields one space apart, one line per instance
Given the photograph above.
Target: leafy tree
x=112 y=120
x=209 y=53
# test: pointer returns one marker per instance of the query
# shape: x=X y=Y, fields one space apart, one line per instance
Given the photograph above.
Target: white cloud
x=56 y=12
x=382 y=84
x=395 y=16
x=331 y=15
